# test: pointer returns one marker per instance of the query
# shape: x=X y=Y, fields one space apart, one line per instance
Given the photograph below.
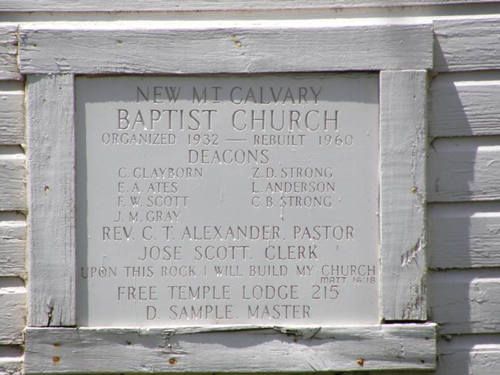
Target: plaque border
x=51 y=57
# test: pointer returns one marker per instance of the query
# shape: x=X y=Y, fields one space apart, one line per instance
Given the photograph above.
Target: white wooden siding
x=465 y=301
x=8 y=53
x=11 y=113
x=12 y=247
x=12 y=198
x=466 y=44
x=463 y=180
x=464 y=169
x=11 y=365
x=12 y=311
x=469 y=355
x=12 y=250
x=464 y=235
x=465 y=104
x=12 y=180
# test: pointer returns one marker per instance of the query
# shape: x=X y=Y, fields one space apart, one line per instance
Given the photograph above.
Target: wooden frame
x=50 y=58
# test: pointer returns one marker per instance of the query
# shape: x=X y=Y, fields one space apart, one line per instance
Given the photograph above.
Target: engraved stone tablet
x=227 y=200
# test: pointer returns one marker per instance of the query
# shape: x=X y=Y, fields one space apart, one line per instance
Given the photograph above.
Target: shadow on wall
x=463 y=187
x=465 y=355
x=463 y=176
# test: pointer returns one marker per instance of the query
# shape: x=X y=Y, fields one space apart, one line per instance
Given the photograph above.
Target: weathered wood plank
x=12 y=181
x=466 y=355
x=464 y=169
x=465 y=301
x=193 y=5
x=8 y=53
x=11 y=365
x=12 y=248
x=12 y=314
x=11 y=113
x=11 y=359
x=465 y=104
x=466 y=44
x=249 y=350
x=403 y=142
x=231 y=50
x=51 y=221
x=464 y=235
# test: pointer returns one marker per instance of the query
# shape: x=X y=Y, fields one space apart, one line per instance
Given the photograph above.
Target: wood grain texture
x=470 y=354
x=51 y=188
x=465 y=301
x=12 y=248
x=12 y=182
x=11 y=365
x=12 y=315
x=462 y=105
x=248 y=350
x=403 y=142
x=466 y=44
x=464 y=169
x=11 y=114
x=8 y=53
x=464 y=235
x=193 y=5
x=230 y=50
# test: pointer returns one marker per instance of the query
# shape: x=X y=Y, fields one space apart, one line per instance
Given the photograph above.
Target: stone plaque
x=205 y=200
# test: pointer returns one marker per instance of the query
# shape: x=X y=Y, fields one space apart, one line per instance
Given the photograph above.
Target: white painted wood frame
x=403 y=144
x=394 y=346
x=50 y=58
x=51 y=235
x=255 y=49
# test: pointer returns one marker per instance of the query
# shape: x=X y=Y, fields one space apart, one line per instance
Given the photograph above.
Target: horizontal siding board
x=8 y=53
x=10 y=365
x=230 y=50
x=12 y=315
x=11 y=116
x=464 y=235
x=192 y=5
x=249 y=350
x=469 y=355
x=464 y=169
x=465 y=302
x=466 y=44
x=461 y=107
x=12 y=182
x=12 y=248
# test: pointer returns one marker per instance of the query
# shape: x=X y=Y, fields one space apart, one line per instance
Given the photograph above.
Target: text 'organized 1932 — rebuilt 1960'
x=230 y=200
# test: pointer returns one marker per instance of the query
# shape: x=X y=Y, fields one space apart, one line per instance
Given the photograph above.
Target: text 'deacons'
x=227 y=200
